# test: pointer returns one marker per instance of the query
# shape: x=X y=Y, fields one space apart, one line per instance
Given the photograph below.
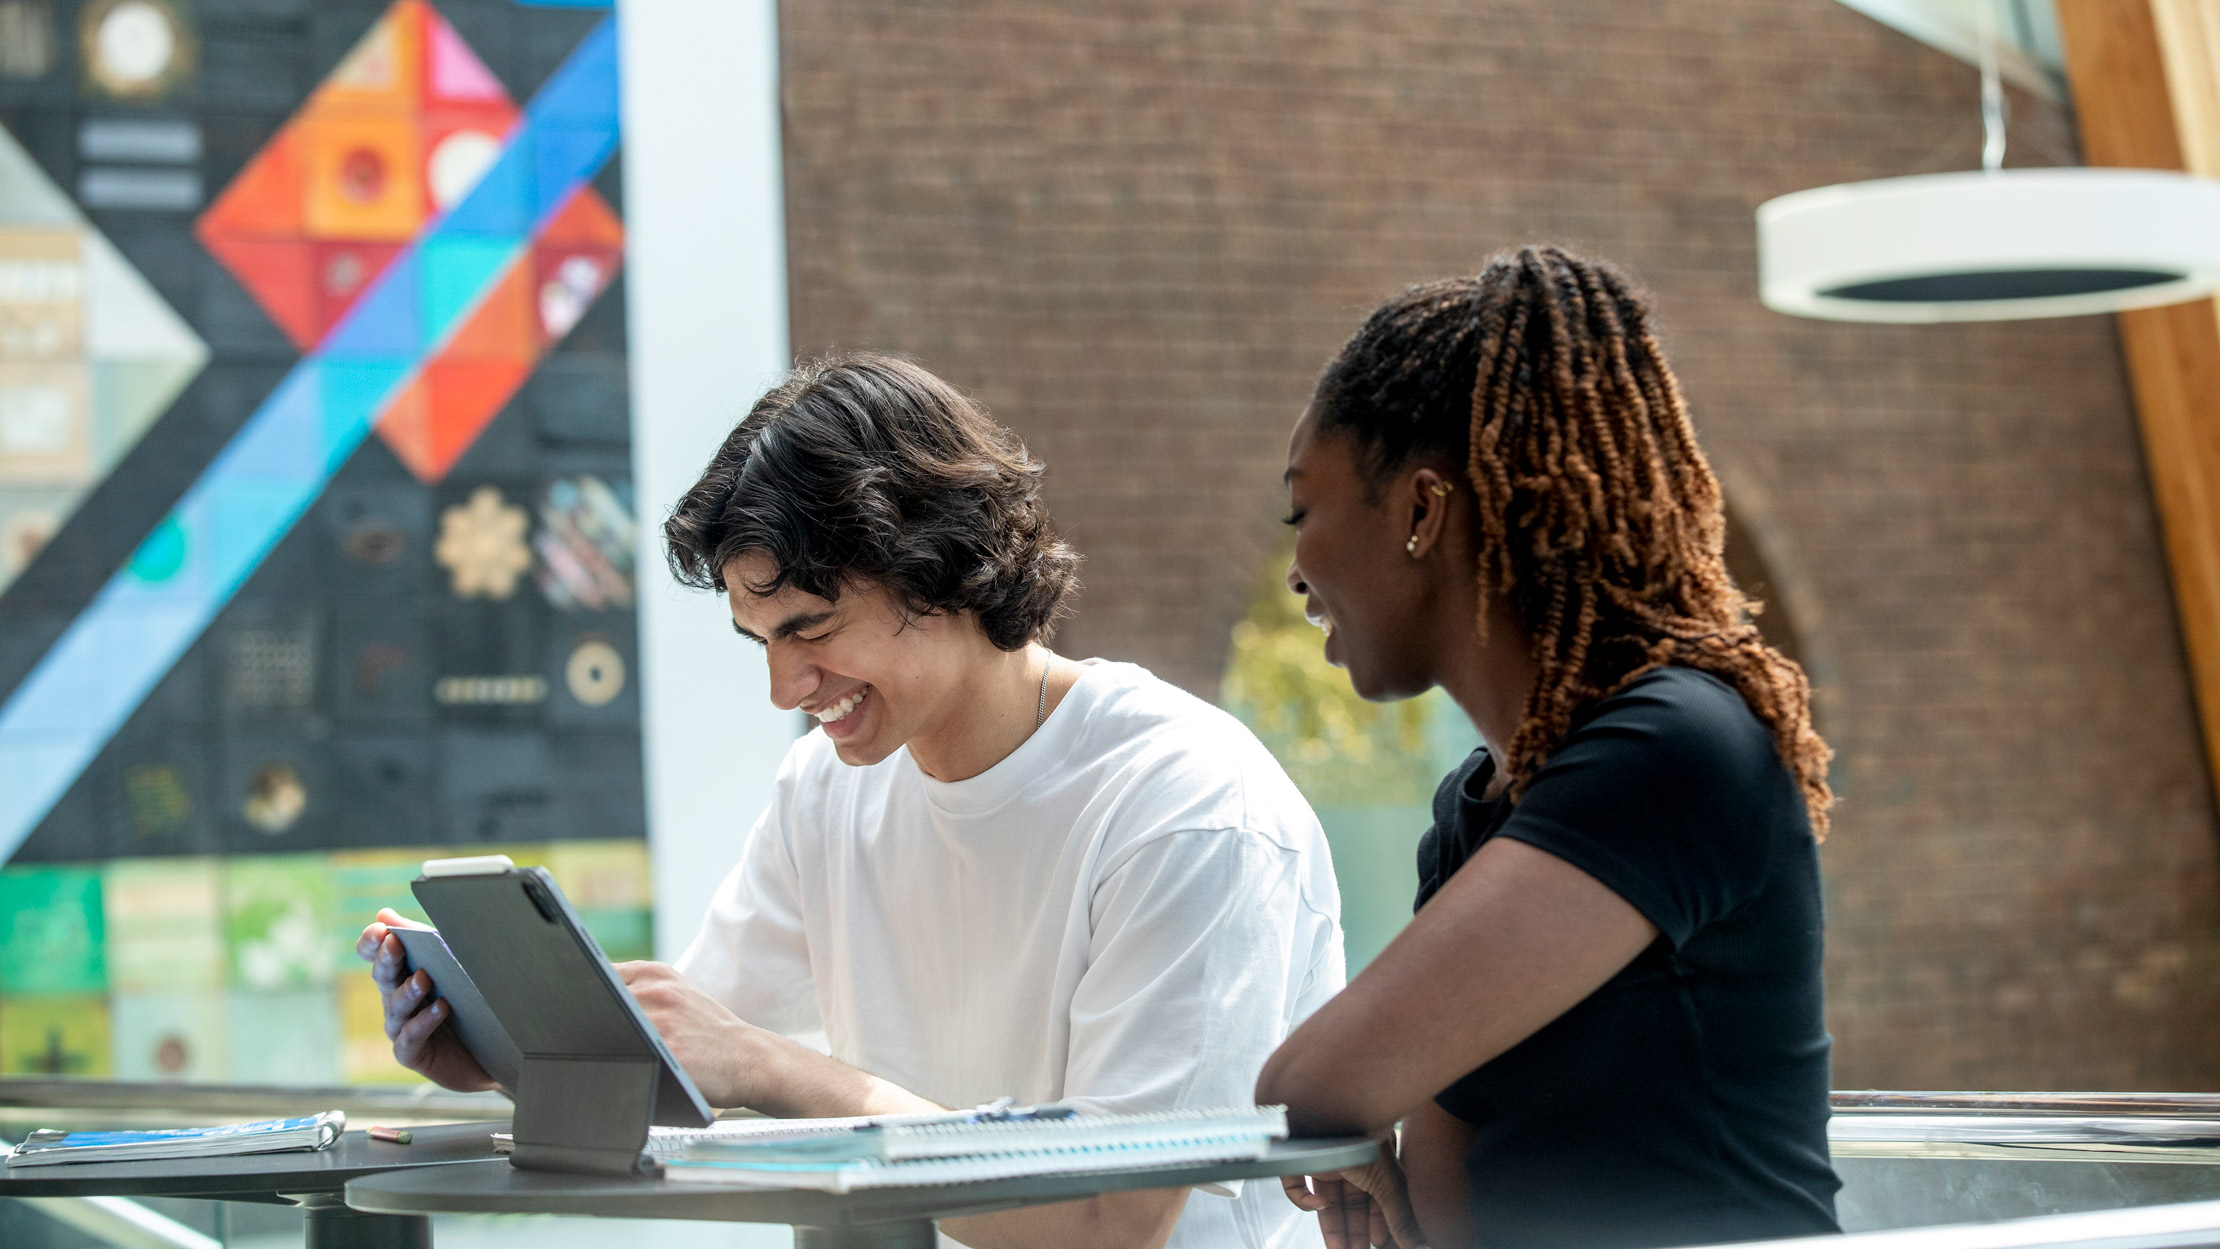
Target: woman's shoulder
x=1675 y=756
x=1684 y=719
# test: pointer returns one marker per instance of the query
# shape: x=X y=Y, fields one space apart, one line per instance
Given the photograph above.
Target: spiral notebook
x=48 y=1146
x=841 y=1157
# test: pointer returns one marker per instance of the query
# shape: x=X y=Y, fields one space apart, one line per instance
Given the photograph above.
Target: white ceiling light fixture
x=1991 y=245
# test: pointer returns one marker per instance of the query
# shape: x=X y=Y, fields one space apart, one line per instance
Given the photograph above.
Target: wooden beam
x=2146 y=86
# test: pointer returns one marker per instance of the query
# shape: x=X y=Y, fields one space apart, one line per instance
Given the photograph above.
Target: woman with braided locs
x=1603 y=1027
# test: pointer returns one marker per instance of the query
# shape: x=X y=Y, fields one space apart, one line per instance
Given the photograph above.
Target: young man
x=991 y=871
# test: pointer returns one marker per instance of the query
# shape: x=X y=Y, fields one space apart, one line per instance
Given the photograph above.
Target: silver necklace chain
x=1040 y=712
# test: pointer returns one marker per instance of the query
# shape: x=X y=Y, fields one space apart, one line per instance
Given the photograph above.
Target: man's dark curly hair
x=866 y=469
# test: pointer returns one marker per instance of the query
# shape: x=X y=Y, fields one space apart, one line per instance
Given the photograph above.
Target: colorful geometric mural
x=256 y=665
x=373 y=364
x=405 y=128
x=89 y=356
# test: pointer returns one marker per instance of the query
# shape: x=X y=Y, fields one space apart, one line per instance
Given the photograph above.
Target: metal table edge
x=608 y=1196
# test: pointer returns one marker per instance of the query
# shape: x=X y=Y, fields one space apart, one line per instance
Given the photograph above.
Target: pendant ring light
x=1991 y=245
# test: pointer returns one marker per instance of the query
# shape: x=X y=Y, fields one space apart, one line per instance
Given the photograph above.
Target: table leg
x=331 y=1225
x=912 y=1234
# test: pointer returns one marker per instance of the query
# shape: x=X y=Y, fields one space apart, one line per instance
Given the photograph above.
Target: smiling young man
x=992 y=871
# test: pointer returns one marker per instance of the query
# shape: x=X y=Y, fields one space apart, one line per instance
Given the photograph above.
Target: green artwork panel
x=65 y=1035
x=610 y=883
x=623 y=933
x=165 y=924
x=51 y=931
x=169 y=1036
x=283 y=1037
x=365 y=1052
x=280 y=913
x=366 y=880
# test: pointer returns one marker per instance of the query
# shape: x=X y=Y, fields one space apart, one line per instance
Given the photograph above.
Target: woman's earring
x=1411 y=547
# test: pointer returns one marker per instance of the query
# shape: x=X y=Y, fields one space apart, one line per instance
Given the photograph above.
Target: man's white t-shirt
x=1128 y=913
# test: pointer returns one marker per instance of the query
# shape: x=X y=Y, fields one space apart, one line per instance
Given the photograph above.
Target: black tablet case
x=593 y=1072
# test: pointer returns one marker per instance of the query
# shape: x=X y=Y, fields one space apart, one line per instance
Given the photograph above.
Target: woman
x=1603 y=1028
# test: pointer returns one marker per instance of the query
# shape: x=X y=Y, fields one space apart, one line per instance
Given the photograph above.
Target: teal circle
x=162 y=554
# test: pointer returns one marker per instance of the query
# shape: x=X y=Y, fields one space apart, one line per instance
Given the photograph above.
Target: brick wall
x=1137 y=229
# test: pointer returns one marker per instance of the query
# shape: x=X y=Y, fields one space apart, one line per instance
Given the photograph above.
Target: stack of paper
x=48 y=1146
x=842 y=1155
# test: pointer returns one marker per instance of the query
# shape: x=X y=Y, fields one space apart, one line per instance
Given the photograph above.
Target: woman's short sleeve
x=1670 y=795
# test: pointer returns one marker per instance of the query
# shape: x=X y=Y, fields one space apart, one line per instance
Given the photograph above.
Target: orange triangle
x=503 y=327
x=281 y=275
x=406 y=426
x=267 y=195
x=585 y=221
x=466 y=396
x=384 y=71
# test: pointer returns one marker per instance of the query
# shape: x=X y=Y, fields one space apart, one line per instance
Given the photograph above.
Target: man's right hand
x=413 y=1015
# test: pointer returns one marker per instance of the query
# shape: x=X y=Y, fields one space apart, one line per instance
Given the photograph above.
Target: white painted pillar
x=705 y=273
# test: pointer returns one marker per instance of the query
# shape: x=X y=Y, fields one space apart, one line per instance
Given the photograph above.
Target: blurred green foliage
x=1340 y=750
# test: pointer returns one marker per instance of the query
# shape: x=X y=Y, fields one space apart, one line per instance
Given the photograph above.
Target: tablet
x=468 y=1015
x=541 y=975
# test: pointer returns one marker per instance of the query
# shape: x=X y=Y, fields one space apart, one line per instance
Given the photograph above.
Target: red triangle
x=345 y=268
x=281 y=275
x=266 y=197
x=465 y=396
x=586 y=220
x=441 y=120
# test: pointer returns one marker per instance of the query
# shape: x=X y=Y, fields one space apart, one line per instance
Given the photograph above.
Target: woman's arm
x=1516 y=938
x=1434 y=1147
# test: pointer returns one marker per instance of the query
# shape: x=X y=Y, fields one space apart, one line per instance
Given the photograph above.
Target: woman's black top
x=1685 y=1101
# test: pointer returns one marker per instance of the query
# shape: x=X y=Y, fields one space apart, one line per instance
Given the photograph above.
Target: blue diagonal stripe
x=154 y=608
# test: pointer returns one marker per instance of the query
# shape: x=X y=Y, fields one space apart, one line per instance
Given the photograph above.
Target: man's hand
x=1362 y=1206
x=714 y=1045
x=413 y=1016
x=735 y=1063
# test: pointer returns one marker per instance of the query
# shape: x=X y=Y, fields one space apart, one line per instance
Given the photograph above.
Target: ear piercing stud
x=1441 y=491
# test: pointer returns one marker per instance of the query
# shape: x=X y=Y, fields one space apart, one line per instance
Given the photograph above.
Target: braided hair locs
x=1596 y=514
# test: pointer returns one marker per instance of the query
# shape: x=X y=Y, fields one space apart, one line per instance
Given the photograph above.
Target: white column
x=705 y=262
